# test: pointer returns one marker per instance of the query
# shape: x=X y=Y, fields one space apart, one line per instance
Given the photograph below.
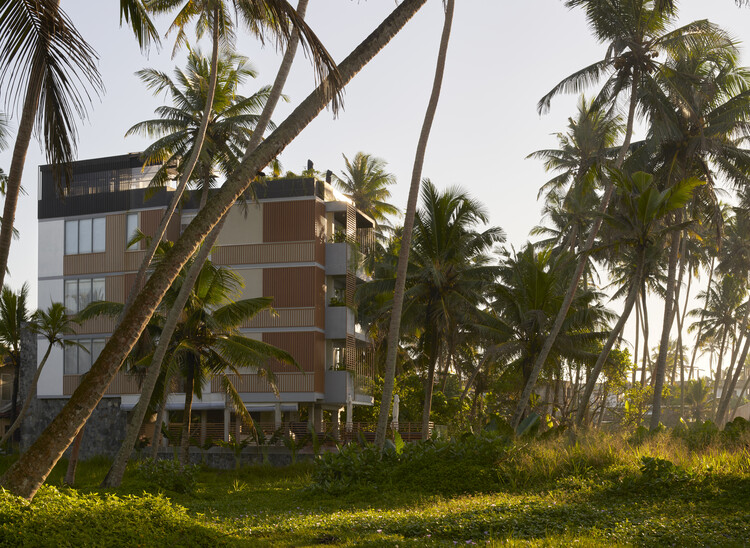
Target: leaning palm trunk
x=117 y=471
x=614 y=334
x=70 y=474
x=186 y=418
x=187 y=169
x=726 y=396
x=394 y=328
x=28 y=473
x=28 y=400
x=669 y=309
x=645 y=362
x=700 y=322
x=549 y=341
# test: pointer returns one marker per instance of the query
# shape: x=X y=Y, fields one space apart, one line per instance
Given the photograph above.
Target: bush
x=168 y=474
x=69 y=518
x=460 y=465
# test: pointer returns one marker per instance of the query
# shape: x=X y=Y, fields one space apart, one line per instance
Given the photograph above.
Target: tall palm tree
x=365 y=181
x=411 y=209
x=523 y=304
x=13 y=313
x=637 y=222
x=28 y=473
x=115 y=475
x=49 y=74
x=208 y=342
x=448 y=274
x=635 y=32
x=274 y=17
x=53 y=324
x=231 y=120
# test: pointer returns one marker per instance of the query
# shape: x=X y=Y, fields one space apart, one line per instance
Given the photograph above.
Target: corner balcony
x=339 y=322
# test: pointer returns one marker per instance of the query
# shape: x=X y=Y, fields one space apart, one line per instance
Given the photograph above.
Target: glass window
x=132 y=226
x=71 y=237
x=71 y=360
x=84 y=294
x=97 y=345
x=100 y=233
x=84 y=357
x=71 y=296
x=84 y=236
x=98 y=289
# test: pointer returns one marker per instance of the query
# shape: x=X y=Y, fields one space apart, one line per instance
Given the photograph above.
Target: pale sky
x=502 y=58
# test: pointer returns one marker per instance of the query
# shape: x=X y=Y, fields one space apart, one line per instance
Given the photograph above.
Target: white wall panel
x=50 y=291
x=51 y=248
x=51 y=379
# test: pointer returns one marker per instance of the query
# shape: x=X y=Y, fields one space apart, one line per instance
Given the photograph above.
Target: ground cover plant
x=680 y=487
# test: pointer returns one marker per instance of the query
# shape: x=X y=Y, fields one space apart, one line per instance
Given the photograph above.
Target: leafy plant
x=168 y=474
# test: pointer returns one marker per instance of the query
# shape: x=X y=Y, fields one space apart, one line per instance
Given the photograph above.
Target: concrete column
x=317 y=415
x=237 y=427
x=349 y=417
x=227 y=421
x=204 y=418
x=336 y=415
x=277 y=416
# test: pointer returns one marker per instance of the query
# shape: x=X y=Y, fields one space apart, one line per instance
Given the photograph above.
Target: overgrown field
x=596 y=490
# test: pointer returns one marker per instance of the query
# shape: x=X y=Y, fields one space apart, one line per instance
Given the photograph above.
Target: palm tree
x=28 y=473
x=231 y=121
x=53 y=324
x=46 y=62
x=207 y=341
x=411 y=209
x=275 y=17
x=448 y=274
x=636 y=34
x=115 y=475
x=636 y=221
x=13 y=313
x=365 y=181
x=524 y=303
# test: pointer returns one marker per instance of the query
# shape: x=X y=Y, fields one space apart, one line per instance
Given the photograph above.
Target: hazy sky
x=503 y=56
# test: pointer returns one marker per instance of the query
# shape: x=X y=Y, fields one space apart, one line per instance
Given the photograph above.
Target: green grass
x=557 y=492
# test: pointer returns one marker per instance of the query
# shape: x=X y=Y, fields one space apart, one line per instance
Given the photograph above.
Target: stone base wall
x=102 y=435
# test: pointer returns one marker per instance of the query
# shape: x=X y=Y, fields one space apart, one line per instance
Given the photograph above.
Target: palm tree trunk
x=117 y=471
x=669 y=309
x=427 y=406
x=703 y=313
x=742 y=394
x=728 y=390
x=188 y=168
x=28 y=400
x=645 y=362
x=471 y=380
x=28 y=473
x=394 y=328
x=637 y=332
x=719 y=361
x=570 y=293
x=594 y=376
x=156 y=437
x=18 y=160
x=70 y=474
x=680 y=324
x=186 y=416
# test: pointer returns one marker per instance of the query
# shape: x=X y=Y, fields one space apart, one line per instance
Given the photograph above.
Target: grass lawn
x=553 y=493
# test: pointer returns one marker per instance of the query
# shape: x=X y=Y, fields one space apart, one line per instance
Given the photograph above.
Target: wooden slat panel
x=320 y=373
x=320 y=233
x=149 y=223
x=133 y=260
x=292 y=252
x=301 y=345
x=351 y=224
x=294 y=287
x=320 y=298
x=84 y=263
x=115 y=243
x=249 y=383
x=289 y=221
x=101 y=324
x=173 y=228
x=350 y=355
x=121 y=384
x=285 y=317
x=114 y=289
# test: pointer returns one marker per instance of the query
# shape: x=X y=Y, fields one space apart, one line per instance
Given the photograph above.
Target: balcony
x=339 y=322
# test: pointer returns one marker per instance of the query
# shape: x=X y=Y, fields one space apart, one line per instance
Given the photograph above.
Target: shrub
x=69 y=518
x=168 y=474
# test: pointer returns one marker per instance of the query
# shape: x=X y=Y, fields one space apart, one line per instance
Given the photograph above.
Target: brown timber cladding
x=304 y=348
x=283 y=317
x=285 y=382
x=291 y=252
x=291 y=221
x=121 y=384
